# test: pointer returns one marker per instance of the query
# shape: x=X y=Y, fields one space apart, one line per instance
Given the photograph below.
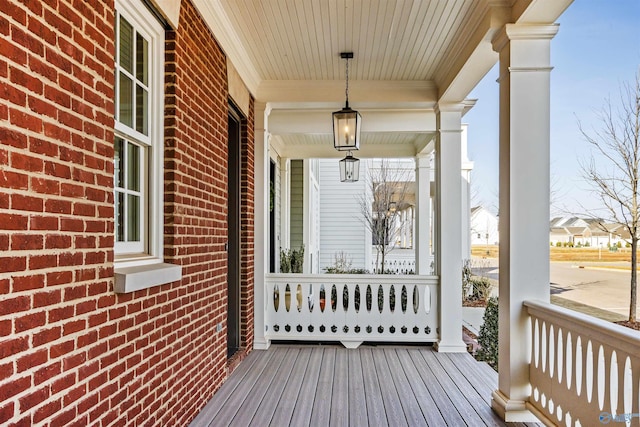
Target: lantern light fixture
x=349 y=169
x=346 y=122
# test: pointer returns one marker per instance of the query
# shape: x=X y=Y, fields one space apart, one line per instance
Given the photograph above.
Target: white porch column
x=423 y=215
x=466 y=168
x=524 y=203
x=261 y=224
x=449 y=223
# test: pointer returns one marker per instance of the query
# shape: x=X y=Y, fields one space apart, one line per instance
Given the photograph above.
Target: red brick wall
x=71 y=351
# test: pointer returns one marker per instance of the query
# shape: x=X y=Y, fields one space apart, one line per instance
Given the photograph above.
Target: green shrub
x=466 y=279
x=488 y=336
x=558 y=244
x=482 y=287
x=291 y=260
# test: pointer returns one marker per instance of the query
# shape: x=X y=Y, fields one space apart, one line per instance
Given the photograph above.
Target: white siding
x=341 y=226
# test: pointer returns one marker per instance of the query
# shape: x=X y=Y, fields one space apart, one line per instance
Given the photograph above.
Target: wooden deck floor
x=293 y=385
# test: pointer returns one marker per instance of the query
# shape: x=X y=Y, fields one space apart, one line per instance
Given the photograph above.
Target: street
x=607 y=289
x=604 y=288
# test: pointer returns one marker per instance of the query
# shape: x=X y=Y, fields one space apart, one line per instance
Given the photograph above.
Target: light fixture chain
x=346 y=92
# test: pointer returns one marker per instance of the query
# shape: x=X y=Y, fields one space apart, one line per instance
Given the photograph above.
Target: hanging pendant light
x=346 y=122
x=349 y=168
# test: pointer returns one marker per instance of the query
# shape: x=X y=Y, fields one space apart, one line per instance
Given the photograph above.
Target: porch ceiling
x=408 y=54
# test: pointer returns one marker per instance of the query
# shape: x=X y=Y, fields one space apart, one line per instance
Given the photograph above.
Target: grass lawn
x=565 y=254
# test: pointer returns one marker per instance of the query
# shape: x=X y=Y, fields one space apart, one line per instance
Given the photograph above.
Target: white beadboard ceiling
x=391 y=39
x=408 y=55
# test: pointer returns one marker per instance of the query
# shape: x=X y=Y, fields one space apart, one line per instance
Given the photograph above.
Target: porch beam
x=449 y=223
x=524 y=52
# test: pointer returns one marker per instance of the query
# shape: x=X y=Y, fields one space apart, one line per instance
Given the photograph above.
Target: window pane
x=142 y=58
x=126 y=45
x=126 y=100
x=141 y=110
x=119 y=217
x=133 y=167
x=119 y=163
x=133 y=218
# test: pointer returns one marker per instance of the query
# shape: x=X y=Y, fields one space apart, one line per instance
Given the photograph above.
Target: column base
x=450 y=347
x=512 y=411
x=261 y=344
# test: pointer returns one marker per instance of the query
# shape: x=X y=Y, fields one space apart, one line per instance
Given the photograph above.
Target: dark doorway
x=272 y=217
x=233 y=248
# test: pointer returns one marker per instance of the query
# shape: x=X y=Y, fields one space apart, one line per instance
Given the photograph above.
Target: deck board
x=328 y=385
x=321 y=411
x=357 y=400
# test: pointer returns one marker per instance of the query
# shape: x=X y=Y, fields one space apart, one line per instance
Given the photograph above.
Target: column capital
x=450 y=107
x=423 y=161
x=523 y=32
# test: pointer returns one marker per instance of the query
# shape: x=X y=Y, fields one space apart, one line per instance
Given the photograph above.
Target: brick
x=26 y=203
x=31 y=321
x=7 y=411
x=24 y=120
x=34 y=399
x=43 y=299
x=14 y=95
x=13 y=264
x=47 y=336
x=13 y=138
x=57 y=169
x=57 y=241
x=13 y=221
x=26 y=283
x=39 y=222
x=32 y=360
x=13 y=346
x=55 y=205
x=63 y=383
x=50 y=187
x=15 y=386
x=26 y=80
x=13 y=180
x=61 y=313
x=46 y=373
x=47 y=411
x=37 y=262
x=40 y=146
x=26 y=163
x=59 y=278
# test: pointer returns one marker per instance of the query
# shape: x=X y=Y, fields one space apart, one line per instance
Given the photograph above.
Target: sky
x=597 y=49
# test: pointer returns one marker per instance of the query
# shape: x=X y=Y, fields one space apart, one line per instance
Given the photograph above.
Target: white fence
x=584 y=371
x=351 y=308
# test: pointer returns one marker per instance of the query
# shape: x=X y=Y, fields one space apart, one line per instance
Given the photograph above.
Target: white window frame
x=136 y=266
x=149 y=250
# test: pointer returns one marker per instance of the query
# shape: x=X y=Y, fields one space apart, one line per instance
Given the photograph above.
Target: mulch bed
x=632 y=325
x=474 y=303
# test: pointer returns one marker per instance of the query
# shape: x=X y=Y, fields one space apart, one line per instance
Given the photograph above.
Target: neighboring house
x=342 y=227
x=484 y=227
x=586 y=232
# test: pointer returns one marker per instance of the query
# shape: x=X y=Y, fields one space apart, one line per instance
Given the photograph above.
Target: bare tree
x=614 y=170
x=382 y=205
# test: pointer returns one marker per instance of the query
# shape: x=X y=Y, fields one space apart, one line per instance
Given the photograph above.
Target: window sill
x=135 y=278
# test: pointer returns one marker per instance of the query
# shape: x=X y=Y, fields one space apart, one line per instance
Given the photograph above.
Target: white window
x=138 y=132
x=138 y=148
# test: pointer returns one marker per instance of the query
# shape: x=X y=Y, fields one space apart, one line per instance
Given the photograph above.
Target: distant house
x=585 y=232
x=484 y=227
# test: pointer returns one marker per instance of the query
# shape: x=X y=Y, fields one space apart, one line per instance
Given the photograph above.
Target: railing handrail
x=624 y=339
x=354 y=278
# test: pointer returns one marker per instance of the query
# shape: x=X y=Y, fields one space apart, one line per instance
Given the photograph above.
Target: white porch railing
x=584 y=371
x=351 y=308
